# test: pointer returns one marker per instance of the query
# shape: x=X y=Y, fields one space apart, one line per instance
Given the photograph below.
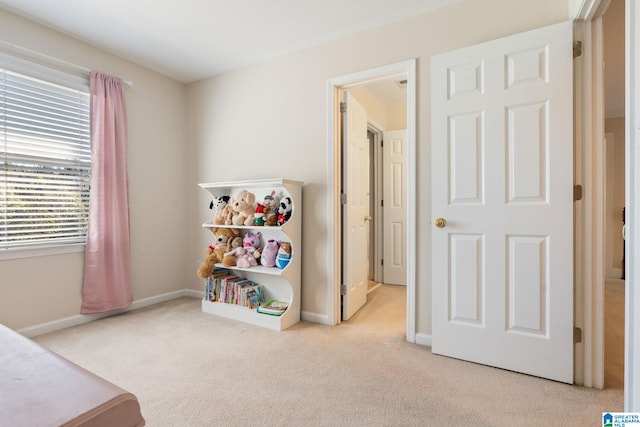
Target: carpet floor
x=189 y=368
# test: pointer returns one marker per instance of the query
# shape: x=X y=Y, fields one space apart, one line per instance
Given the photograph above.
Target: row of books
x=224 y=286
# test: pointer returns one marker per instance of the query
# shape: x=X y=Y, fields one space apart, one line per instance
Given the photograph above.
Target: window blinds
x=45 y=161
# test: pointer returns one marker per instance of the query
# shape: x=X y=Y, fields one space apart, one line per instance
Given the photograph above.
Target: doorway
x=404 y=69
x=614 y=191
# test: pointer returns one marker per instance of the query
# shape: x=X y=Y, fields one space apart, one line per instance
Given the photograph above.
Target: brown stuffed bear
x=215 y=252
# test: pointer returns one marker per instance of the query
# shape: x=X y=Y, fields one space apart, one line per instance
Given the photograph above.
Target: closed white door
x=502 y=187
x=394 y=175
x=355 y=212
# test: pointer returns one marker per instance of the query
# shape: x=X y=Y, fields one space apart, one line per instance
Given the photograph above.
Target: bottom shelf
x=243 y=314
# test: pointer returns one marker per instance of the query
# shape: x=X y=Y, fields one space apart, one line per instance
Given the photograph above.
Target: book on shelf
x=273 y=307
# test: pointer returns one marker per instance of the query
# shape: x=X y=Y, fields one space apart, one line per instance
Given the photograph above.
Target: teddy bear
x=221 y=212
x=228 y=259
x=284 y=255
x=268 y=258
x=215 y=252
x=241 y=204
x=284 y=211
x=270 y=209
x=245 y=255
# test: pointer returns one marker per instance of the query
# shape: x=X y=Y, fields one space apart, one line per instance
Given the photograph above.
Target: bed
x=41 y=388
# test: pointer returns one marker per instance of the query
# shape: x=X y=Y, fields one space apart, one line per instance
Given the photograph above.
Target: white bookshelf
x=281 y=284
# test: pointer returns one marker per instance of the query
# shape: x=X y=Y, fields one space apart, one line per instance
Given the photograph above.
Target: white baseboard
x=423 y=339
x=79 y=319
x=315 y=318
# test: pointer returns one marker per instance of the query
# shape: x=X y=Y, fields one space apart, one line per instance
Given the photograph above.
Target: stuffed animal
x=221 y=211
x=241 y=204
x=215 y=252
x=270 y=209
x=230 y=260
x=258 y=215
x=284 y=211
x=246 y=254
x=269 y=253
x=284 y=255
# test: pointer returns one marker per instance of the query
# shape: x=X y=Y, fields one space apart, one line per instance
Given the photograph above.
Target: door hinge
x=343 y=289
x=577 y=192
x=382 y=262
x=382 y=203
x=381 y=143
x=577 y=48
x=577 y=335
x=343 y=199
x=343 y=107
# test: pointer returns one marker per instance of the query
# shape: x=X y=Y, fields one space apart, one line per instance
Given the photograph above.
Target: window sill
x=16 y=253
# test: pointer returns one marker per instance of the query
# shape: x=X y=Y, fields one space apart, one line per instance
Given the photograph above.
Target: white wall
x=43 y=289
x=271 y=120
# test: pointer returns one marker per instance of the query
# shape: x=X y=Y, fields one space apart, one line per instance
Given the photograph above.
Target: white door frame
x=378 y=241
x=632 y=201
x=589 y=90
x=334 y=230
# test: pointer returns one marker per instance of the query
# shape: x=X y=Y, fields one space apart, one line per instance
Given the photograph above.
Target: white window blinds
x=45 y=160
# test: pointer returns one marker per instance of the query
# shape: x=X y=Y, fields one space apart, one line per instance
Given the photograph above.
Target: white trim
x=423 y=339
x=632 y=199
x=407 y=68
x=590 y=216
x=39 y=251
x=309 y=316
x=79 y=319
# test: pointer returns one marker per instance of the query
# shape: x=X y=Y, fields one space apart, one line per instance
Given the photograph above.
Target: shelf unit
x=281 y=284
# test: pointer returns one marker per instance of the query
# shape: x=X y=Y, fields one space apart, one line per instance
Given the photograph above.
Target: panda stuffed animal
x=284 y=210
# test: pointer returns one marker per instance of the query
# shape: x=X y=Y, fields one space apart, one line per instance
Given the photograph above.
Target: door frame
x=589 y=89
x=378 y=218
x=334 y=158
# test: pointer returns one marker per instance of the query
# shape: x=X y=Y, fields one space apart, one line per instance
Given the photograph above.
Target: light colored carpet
x=614 y=333
x=193 y=369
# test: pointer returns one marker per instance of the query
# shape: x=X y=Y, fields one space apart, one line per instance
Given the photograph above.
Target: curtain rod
x=48 y=58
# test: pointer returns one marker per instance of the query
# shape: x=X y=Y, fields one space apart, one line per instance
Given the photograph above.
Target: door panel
x=502 y=165
x=355 y=181
x=395 y=207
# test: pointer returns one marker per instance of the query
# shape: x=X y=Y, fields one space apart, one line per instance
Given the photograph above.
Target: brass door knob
x=440 y=222
x=368 y=218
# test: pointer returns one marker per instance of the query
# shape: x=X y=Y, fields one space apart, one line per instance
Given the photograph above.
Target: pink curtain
x=107 y=269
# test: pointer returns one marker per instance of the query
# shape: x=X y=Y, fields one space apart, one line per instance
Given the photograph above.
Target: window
x=45 y=157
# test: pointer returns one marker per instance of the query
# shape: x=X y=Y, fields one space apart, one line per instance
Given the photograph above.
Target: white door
x=355 y=212
x=394 y=209
x=502 y=165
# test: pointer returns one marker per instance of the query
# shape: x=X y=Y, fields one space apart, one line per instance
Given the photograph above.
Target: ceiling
x=189 y=40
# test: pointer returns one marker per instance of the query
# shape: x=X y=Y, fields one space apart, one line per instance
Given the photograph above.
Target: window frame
x=73 y=80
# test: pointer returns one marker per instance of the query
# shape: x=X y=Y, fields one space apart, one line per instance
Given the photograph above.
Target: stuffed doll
x=284 y=211
x=270 y=209
x=221 y=211
x=269 y=253
x=258 y=216
x=284 y=255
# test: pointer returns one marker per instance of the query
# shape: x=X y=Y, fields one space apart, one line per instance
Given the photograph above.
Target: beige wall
x=271 y=120
x=615 y=186
x=48 y=288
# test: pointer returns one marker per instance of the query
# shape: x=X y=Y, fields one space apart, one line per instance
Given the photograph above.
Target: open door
x=355 y=208
x=502 y=203
x=395 y=207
